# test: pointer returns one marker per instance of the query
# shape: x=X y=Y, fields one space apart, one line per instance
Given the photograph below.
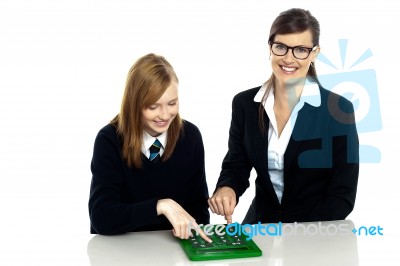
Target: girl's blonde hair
x=147 y=81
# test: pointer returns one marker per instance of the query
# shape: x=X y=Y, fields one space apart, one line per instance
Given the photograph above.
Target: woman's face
x=287 y=68
x=158 y=116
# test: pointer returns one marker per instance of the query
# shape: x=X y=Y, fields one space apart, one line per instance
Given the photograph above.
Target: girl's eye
x=152 y=107
x=172 y=104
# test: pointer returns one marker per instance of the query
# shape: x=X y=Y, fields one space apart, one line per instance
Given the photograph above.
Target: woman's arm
x=340 y=193
x=235 y=173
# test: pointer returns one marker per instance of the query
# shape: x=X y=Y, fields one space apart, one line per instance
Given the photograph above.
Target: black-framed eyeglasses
x=299 y=52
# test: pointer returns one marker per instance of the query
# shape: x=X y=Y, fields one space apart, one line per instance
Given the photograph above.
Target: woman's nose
x=289 y=57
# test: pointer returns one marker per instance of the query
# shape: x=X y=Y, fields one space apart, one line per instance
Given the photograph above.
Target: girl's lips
x=161 y=123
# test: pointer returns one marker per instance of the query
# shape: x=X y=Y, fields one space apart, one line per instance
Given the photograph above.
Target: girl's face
x=158 y=116
x=287 y=68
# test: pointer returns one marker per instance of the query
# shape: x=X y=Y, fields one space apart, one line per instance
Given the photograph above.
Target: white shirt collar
x=148 y=140
x=310 y=94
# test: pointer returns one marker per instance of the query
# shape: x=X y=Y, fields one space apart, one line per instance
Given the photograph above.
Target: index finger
x=228 y=219
x=229 y=206
x=204 y=236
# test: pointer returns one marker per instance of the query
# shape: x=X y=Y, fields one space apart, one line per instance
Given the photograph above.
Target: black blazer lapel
x=306 y=137
x=260 y=144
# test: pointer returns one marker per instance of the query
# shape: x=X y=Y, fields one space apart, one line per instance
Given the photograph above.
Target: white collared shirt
x=277 y=144
x=148 y=140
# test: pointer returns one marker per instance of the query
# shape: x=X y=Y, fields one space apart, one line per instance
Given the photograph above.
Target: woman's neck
x=287 y=95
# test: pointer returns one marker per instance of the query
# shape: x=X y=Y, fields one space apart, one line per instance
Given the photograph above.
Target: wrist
x=161 y=206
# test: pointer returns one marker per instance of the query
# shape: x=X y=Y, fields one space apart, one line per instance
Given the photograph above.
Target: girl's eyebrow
x=173 y=99
x=157 y=103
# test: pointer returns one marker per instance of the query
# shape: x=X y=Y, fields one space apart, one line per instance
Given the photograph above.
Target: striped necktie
x=155 y=151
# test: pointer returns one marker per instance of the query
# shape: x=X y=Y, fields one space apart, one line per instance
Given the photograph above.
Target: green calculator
x=225 y=245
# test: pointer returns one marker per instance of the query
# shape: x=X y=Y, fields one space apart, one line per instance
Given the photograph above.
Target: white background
x=63 y=66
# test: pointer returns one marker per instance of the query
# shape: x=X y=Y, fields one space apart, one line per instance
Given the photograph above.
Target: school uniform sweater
x=123 y=199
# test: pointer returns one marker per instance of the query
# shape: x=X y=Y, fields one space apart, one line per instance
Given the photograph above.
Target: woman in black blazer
x=299 y=137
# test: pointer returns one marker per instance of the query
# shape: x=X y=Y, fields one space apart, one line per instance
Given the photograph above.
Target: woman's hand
x=181 y=221
x=223 y=202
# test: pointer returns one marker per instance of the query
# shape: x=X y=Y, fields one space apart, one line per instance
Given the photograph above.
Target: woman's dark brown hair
x=295 y=20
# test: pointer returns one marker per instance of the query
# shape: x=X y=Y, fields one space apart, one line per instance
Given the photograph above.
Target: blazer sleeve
x=236 y=166
x=340 y=194
x=108 y=212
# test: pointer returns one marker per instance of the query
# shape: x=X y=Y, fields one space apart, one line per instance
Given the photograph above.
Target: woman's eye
x=301 y=50
x=172 y=103
x=281 y=47
x=152 y=107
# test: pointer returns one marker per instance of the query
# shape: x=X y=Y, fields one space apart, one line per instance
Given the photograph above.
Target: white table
x=312 y=244
x=43 y=247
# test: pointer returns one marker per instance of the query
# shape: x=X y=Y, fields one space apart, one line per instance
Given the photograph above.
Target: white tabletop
x=322 y=247
x=329 y=243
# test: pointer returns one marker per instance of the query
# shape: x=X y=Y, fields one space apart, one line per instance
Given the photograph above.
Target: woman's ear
x=317 y=50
